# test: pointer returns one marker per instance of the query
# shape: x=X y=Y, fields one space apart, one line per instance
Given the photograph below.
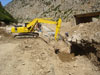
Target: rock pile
x=86 y=41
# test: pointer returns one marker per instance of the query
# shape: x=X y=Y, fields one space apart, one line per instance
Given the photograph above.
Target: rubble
x=87 y=39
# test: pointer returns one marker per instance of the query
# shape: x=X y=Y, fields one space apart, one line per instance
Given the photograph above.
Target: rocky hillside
x=29 y=9
x=5 y=16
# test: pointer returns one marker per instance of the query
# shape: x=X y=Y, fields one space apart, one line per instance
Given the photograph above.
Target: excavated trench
x=87 y=49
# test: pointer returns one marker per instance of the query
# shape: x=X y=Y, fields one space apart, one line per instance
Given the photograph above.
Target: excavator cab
x=26 y=24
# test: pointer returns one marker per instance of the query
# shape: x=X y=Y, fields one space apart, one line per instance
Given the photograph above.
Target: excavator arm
x=58 y=26
x=39 y=20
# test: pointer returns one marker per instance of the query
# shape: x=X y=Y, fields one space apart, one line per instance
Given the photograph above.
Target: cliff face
x=29 y=9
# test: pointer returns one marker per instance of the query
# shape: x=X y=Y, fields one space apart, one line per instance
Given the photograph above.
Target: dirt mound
x=2 y=32
x=86 y=41
x=4 y=35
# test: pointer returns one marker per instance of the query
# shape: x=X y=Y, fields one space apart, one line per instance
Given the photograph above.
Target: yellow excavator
x=29 y=28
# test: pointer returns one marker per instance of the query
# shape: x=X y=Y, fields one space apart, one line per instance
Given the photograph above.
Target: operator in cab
x=38 y=27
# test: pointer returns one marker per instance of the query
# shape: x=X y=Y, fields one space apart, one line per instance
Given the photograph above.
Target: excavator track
x=32 y=34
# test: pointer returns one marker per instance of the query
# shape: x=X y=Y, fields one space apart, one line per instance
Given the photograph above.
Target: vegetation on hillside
x=5 y=16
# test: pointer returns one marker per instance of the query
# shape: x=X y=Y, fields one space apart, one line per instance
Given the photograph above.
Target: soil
x=65 y=57
x=30 y=56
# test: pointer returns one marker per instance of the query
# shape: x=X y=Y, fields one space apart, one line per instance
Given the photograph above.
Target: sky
x=4 y=2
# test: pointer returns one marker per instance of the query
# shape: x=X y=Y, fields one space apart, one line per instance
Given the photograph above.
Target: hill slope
x=29 y=9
